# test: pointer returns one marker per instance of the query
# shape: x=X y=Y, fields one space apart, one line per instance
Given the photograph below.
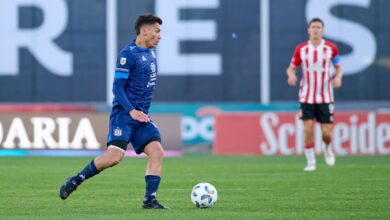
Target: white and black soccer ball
x=204 y=195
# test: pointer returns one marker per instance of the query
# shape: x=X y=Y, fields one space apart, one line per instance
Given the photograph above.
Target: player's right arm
x=292 y=68
x=125 y=63
x=139 y=115
x=291 y=75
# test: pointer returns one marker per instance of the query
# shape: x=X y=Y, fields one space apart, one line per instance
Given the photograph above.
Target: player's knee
x=309 y=132
x=158 y=153
x=326 y=138
x=113 y=161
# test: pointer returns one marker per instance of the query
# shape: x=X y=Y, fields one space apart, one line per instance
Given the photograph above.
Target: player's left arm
x=338 y=79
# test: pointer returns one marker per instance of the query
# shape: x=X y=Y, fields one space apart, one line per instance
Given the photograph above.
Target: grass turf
x=248 y=188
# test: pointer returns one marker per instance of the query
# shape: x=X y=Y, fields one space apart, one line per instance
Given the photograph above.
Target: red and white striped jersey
x=316 y=84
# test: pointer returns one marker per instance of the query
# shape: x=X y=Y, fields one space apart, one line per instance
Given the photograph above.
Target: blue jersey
x=135 y=78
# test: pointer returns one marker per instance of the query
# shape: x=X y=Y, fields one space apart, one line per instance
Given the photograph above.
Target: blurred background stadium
x=216 y=56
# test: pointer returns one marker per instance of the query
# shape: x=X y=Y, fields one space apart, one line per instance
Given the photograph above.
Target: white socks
x=310 y=156
x=330 y=159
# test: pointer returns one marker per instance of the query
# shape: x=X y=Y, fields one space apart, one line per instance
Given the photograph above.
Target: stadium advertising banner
x=197 y=124
x=268 y=133
x=72 y=132
x=211 y=50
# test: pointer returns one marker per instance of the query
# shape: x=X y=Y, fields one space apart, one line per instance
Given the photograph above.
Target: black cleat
x=154 y=204
x=68 y=187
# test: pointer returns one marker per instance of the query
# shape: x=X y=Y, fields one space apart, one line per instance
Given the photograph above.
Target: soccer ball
x=204 y=195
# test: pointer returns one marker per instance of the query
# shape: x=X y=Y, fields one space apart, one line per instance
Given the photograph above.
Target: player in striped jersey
x=316 y=58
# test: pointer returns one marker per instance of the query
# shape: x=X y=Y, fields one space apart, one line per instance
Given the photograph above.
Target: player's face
x=316 y=30
x=152 y=35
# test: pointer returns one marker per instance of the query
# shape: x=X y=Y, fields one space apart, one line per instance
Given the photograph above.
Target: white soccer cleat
x=310 y=167
x=330 y=159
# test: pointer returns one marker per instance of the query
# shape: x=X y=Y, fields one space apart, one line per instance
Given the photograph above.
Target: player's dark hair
x=146 y=19
x=317 y=20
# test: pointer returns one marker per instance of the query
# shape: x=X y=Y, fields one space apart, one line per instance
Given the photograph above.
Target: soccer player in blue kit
x=134 y=83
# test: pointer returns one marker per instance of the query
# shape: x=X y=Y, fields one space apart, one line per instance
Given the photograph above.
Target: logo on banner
x=41 y=133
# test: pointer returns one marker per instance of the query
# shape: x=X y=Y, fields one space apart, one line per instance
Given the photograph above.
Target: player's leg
x=307 y=115
x=118 y=138
x=155 y=154
x=147 y=139
x=110 y=158
x=330 y=158
x=325 y=117
x=308 y=126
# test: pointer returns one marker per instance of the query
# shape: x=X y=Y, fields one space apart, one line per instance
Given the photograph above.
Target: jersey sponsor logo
x=122 y=61
x=150 y=84
x=153 y=75
x=117 y=132
x=153 y=67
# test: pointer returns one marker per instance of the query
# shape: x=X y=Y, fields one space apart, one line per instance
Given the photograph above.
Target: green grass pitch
x=248 y=188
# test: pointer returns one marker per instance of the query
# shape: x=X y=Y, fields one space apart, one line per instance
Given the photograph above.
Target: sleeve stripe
x=121 y=75
x=122 y=70
x=336 y=60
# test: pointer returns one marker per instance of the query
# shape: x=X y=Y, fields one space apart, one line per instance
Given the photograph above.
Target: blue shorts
x=124 y=130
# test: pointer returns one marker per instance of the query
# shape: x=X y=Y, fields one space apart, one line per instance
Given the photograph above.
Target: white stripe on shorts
x=116 y=147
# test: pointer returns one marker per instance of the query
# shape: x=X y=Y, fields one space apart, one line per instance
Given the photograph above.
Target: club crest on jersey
x=122 y=61
x=117 y=132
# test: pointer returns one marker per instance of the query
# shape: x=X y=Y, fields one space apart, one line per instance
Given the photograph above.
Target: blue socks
x=152 y=183
x=88 y=172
